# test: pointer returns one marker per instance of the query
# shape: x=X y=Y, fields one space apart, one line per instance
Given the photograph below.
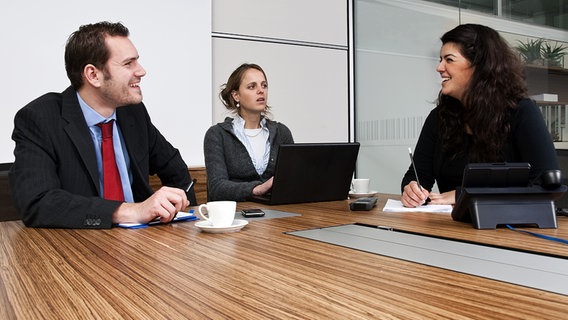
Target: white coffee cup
x=219 y=213
x=360 y=185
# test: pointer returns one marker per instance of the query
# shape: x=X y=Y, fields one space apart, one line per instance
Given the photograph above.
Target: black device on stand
x=495 y=194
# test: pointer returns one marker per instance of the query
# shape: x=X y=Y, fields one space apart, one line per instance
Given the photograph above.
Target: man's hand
x=163 y=204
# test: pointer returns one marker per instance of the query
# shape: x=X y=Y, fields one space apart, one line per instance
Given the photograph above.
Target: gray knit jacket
x=230 y=172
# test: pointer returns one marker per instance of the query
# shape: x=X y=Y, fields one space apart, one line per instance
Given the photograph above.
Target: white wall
x=316 y=21
x=173 y=39
x=304 y=53
x=303 y=48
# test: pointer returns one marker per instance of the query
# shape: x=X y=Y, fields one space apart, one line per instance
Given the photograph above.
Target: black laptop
x=312 y=172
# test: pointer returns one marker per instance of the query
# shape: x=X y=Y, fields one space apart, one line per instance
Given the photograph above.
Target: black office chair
x=7 y=209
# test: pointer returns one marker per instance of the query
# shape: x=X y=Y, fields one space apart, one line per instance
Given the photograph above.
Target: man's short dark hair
x=87 y=46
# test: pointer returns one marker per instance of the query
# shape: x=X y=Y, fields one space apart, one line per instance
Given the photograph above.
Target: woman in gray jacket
x=240 y=153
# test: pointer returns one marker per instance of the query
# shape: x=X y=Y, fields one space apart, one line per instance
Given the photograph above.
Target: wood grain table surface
x=175 y=271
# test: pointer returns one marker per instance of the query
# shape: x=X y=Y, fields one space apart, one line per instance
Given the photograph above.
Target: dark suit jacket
x=54 y=178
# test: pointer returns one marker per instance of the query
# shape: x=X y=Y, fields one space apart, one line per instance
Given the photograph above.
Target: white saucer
x=362 y=195
x=206 y=226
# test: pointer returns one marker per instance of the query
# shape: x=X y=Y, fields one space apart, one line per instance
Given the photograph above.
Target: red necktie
x=111 y=178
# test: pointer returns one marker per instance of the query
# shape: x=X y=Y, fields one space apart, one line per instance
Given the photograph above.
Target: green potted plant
x=531 y=51
x=554 y=55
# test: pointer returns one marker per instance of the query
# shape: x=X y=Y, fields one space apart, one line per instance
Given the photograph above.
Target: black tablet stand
x=487 y=208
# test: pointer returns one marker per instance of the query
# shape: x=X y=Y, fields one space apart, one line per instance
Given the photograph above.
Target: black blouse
x=529 y=141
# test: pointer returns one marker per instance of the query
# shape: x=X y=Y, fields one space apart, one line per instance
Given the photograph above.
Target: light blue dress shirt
x=120 y=152
x=239 y=128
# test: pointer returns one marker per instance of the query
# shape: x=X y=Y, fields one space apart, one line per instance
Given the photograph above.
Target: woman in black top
x=483 y=114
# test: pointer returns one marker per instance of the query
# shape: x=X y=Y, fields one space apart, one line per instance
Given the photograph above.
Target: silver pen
x=186 y=191
x=190 y=185
x=414 y=167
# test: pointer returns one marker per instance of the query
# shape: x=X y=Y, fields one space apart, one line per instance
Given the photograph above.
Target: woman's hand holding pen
x=413 y=195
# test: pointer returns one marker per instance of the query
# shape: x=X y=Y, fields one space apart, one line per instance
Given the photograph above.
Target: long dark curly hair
x=496 y=86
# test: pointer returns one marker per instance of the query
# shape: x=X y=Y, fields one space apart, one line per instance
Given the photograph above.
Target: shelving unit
x=543 y=79
x=556 y=117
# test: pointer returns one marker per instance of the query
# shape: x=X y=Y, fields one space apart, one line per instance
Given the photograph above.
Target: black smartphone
x=252 y=213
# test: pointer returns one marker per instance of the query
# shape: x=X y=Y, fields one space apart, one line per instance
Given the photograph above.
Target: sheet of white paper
x=396 y=206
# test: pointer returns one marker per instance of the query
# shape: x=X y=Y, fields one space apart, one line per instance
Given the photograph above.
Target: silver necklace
x=253 y=135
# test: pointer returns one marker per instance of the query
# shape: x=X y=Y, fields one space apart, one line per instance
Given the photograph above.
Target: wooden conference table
x=177 y=272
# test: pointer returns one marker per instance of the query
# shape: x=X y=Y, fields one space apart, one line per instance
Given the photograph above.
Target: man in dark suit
x=57 y=177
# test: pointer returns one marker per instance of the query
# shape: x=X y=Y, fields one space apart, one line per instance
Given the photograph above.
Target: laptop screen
x=313 y=172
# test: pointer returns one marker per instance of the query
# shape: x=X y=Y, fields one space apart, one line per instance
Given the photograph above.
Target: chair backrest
x=7 y=208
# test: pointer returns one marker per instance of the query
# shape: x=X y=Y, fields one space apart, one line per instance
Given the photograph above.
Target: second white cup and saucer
x=360 y=189
x=220 y=217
